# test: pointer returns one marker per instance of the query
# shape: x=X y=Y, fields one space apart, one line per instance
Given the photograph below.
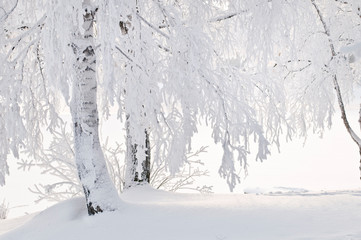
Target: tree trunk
x=133 y=166
x=99 y=191
x=133 y=177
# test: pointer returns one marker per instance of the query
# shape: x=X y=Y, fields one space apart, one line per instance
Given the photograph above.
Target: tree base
x=93 y=210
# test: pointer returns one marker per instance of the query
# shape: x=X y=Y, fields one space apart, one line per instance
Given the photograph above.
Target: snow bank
x=151 y=214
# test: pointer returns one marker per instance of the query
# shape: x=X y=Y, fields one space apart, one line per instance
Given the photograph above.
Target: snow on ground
x=157 y=215
x=10 y=224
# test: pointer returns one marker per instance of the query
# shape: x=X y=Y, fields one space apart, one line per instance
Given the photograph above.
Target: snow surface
x=152 y=214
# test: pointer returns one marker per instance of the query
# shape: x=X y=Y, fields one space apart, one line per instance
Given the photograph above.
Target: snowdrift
x=157 y=215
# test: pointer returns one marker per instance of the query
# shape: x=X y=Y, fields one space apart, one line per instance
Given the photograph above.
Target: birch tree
x=99 y=191
x=137 y=165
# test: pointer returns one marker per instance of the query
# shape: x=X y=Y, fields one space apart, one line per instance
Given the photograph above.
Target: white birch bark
x=137 y=172
x=100 y=192
x=137 y=163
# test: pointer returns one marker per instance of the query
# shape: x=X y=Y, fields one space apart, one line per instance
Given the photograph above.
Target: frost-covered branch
x=57 y=161
x=183 y=180
x=7 y=13
x=226 y=16
x=152 y=26
x=353 y=135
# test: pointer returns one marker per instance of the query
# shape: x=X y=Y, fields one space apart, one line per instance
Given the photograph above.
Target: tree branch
x=226 y=16
x=353 y=135
x=152 y=26
x=7 y=14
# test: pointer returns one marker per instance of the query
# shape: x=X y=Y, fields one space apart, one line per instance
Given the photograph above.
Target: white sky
x=328 y=163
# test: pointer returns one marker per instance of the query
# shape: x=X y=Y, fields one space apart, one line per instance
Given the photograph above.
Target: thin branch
x=152 y=26
x=130 y=59
x=164 y=13
x=226 y=16
x=343 y=2
x=18 y=39
x=7 y=14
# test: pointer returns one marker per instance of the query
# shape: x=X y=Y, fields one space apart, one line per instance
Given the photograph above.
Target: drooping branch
x=349 y=129
x=326 y=29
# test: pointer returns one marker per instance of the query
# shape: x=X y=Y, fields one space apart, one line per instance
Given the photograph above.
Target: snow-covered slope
x=156 y=215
